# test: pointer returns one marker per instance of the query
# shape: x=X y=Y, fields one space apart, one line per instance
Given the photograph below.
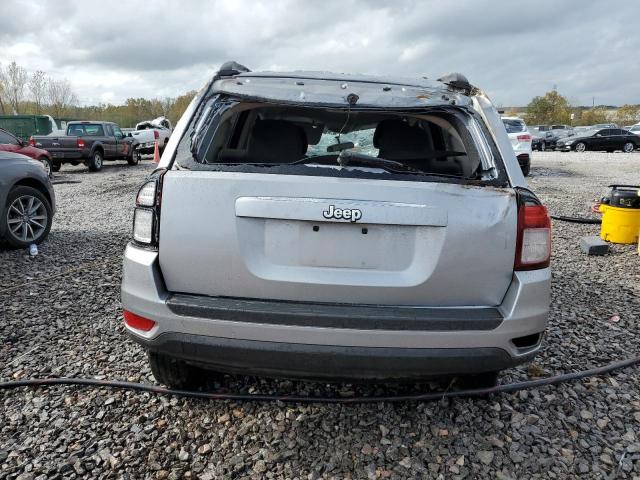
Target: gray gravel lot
x=60 y=316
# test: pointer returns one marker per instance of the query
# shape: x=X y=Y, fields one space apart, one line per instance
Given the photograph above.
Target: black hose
x=589 y=221
x=141 y=387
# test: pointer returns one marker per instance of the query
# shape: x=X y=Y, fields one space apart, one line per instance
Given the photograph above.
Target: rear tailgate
x=59 y=147
x=297 y=238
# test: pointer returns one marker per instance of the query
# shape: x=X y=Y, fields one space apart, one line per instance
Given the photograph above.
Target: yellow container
x=620 y=225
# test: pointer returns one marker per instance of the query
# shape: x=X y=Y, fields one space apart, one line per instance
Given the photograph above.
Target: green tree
x=593 y=116
x=548 y=109
x=628 y=115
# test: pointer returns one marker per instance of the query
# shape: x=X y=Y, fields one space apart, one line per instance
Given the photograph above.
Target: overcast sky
x=114 y=50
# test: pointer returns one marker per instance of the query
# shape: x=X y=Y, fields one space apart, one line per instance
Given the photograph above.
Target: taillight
x=533 y=242
x=32 y=141
x=137 y=322
x=156 y=135
x=80 y=142
x=146 y=215
x=524 y=138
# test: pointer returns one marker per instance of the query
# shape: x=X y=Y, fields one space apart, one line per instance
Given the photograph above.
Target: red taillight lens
x=80 y=142
x=32 y=141
x=156 y=135
x=533 y=243
x=137 y=322
x=524 y=138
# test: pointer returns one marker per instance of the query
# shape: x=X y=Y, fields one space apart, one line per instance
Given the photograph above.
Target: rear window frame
x=84 y=129
x=183 y=158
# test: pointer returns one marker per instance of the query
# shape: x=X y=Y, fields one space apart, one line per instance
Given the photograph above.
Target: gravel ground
x=61 y=316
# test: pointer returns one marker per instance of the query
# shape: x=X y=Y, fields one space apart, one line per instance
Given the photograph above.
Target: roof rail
x=457 y=81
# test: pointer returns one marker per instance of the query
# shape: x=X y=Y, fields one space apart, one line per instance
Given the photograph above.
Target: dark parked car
x=608 y=140
x=542 y=141
x=90 y=143
x=27 y=201
x=10 y=143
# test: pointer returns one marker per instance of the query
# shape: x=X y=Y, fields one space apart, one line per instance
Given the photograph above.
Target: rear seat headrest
x=397 y=140
x=275 y=141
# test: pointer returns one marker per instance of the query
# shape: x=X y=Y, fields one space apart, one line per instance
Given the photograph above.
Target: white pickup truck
x=151 y=131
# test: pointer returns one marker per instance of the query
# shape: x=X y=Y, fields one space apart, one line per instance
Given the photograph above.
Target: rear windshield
x=288 y=139
x=514 y=126
x=85 y=130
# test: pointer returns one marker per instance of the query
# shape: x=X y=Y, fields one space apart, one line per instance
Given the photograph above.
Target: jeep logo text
x=351 y=214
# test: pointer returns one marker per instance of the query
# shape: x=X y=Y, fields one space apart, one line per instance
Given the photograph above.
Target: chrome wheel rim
x=580 y=147
x=97 y=160
x=27 y=218
x=628 y=147
x=47 y=166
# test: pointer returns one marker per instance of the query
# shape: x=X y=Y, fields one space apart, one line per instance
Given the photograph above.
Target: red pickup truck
x=90 y=143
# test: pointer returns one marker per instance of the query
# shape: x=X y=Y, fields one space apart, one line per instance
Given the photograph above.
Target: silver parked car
x=337 y=227
x=27 y=201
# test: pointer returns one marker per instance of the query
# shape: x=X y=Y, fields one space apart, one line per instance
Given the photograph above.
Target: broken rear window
x=229 y=135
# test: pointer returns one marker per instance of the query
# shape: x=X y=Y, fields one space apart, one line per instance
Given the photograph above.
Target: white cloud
x=127 y=49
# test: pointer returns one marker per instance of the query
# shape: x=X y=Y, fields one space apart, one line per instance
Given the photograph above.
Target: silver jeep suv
x=331 y=226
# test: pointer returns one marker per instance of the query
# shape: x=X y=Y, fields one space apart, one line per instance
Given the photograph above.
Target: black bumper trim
x=277 y=359
x=326 y=315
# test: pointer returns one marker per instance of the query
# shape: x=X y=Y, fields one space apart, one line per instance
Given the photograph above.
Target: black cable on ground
x=589 y=221
x=506 y=388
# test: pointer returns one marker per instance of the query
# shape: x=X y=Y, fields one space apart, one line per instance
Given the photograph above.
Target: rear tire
x=134 y=158
x=175 y=373
x=55 y=166
x=628 y=147
x=526 y=170
x=580 y=147
x=47 y=165
x=96 y=161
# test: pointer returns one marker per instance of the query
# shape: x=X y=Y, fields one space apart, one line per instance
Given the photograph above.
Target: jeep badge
x=351 y=214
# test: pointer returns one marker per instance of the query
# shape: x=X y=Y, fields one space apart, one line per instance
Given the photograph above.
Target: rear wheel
x=47 y=164
x=628 y=147
x=27 y=217
x=175 y=373
x=525 y=170
x=580 y=147
x=95 y=162
x=55 y=166
x=134 y=158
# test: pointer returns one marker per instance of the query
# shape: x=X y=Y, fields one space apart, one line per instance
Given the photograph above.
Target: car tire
x=543 y=147
x=47 y=165
x=628 y=147
x=175 y=373
x=525 y=170
x=134 y=158
x=55 y=166
x=96 y=161
x=17 y=233
x=580 y=147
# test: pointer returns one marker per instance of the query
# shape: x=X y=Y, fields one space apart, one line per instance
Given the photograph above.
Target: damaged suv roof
x=325 y=88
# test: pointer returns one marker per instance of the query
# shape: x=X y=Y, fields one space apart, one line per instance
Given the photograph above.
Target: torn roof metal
x=332 y=89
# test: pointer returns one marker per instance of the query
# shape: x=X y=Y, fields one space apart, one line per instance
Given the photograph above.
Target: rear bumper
x=334 y=341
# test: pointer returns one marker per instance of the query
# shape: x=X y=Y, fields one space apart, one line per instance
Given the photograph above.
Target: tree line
x=36 y=93
x=554 y=108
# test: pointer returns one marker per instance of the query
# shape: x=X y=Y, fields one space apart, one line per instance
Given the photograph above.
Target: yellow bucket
x=620 y=225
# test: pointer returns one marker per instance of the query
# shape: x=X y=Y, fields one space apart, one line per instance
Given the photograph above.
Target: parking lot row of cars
x=90 y=142
x=607 y=137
